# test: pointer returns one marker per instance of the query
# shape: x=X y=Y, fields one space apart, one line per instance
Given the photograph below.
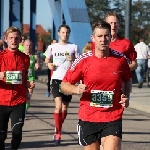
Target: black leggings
x=17 y=115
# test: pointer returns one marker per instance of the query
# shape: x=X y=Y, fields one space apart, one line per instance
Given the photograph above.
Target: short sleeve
x=126 y=71
x=74 y=73
x=131 y=53
x=48 y=52
x=149 y=52
x=147 y=48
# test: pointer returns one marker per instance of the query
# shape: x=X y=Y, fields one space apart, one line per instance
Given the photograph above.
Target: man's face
x=101 y=37
x=13 y=40
x=27 y=46
x=113 y=21
x=63 y=34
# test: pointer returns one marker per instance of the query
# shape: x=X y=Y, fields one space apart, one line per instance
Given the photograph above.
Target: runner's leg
x=4 y=118
x=64 y=110
x=58 y=115
x=17 y=121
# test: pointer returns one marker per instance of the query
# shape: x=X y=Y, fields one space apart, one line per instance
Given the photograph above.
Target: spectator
x=40 y=49
x=142 y=61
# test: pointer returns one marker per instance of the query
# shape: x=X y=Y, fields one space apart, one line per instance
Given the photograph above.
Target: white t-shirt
x=58 y=53
x=142 y=50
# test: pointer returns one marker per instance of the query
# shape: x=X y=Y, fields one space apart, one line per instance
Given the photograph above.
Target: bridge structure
x=71 y=12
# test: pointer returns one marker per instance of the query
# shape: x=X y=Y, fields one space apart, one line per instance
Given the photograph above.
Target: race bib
x=30 y=72
x=13 y=77
x=102 y=98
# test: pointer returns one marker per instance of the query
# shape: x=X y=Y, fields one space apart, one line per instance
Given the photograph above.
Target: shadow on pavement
x=42 y=144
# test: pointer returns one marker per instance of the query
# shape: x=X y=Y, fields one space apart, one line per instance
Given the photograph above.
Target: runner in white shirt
x=62 y=55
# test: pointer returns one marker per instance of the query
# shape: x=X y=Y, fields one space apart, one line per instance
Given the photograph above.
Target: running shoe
x=47 y=94
x=57 y=139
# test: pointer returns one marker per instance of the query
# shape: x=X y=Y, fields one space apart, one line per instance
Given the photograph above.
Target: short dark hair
x=141 y=39
x=64 y=26
x=24 y=36
x=54 y=39
x=101 y=25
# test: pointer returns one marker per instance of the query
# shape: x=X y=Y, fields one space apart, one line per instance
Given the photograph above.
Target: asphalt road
x=39 y=128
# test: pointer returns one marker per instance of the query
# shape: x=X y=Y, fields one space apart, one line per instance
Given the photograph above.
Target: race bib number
x=30 y=72
x=13 y=77
x=102 y=98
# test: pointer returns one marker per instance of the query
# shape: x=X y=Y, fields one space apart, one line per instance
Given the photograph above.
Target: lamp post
x=128 y=23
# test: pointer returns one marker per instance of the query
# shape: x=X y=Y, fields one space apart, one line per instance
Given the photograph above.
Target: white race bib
x=102 y=98
x=14 y=77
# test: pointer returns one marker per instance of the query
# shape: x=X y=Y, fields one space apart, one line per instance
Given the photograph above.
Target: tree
x=119 y=7
x=141 y=20
x=140 y=15
x=97 y=9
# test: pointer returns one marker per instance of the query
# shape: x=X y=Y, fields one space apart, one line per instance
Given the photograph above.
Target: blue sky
x=43 y=15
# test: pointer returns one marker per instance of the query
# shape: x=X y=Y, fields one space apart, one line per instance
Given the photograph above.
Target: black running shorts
x=56 y=91
x=90 y=132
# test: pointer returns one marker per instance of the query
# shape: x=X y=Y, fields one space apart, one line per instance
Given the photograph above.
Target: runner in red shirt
x=13 y=88
x=101 y=103
x=120 y=44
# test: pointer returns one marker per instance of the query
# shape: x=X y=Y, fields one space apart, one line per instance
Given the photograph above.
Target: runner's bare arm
x=127 y=87
x=37 y=64
x=133 y=65
x=2 y=75
x=47 y=60
x=37 y=59
x=70 y=89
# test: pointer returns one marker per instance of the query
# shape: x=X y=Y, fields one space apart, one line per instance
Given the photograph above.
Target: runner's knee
x=58 y=108
x=17 y=131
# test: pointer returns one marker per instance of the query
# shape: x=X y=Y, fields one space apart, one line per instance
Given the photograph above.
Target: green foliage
x=140 y=15
x=46 y=39
x=97 y=9
x=141 y=20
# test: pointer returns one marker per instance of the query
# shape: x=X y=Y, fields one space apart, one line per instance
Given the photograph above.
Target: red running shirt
x=124 y=46
x=13 y=94
x=104 y=74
